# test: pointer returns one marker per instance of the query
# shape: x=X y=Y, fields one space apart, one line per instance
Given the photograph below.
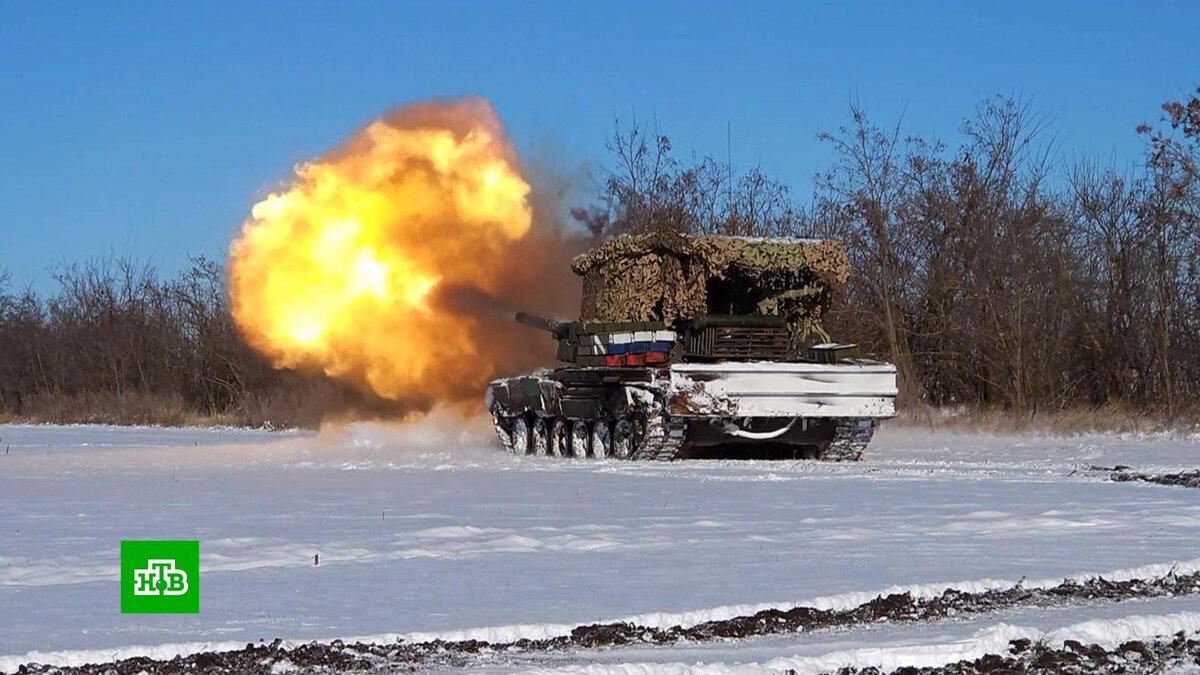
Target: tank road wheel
x=539 y=437
x=520 y=435
x=579 y=439
x=560 y=438
x=622 y=439
x=601 y=439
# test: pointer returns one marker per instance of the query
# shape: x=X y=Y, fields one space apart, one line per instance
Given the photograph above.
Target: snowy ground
x=432 y=529
x=886 y=645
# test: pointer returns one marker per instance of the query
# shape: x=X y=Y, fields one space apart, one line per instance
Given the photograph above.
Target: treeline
x=992 y=271
x=120 y=343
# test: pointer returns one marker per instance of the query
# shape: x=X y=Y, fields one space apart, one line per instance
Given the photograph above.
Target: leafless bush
x=117 y=343
x=650 y=190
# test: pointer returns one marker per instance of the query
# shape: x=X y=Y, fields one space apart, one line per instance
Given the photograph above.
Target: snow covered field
x=430 y=529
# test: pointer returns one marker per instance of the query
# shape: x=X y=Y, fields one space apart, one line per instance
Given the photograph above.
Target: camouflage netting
x=667 y=276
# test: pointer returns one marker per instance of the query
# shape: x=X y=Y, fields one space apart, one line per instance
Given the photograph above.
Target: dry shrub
x=130 y=408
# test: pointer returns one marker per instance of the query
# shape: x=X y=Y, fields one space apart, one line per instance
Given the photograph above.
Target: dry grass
x=1066 y=422
x=299 y=402
x=123 y=409
x=277 y=411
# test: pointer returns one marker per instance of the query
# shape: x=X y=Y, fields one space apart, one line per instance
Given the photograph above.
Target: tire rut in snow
x=1073 y=657
x=337 y=656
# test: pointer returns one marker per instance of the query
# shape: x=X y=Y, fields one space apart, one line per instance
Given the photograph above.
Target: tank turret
x=611 y=344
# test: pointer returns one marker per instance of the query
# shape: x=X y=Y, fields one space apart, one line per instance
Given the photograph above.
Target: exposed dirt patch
x=338 y=656
x=1189 y=479
x=1135 y=656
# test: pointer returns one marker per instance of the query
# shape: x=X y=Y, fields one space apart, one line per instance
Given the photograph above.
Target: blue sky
x=150 y=128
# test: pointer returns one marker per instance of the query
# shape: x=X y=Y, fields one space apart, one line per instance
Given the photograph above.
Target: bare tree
x=861 y=201
x=648 y=189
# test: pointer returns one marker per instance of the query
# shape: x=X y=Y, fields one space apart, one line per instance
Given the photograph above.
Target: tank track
x=502 y=434
x=850 y=439
x=662 y=439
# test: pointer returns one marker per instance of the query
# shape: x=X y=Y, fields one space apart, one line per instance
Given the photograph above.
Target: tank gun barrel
x=556 y=326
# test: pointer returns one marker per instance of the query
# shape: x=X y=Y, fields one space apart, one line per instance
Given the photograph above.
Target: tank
x=699 y=347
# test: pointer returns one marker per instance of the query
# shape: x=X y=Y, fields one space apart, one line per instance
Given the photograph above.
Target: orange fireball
x=339 y=270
